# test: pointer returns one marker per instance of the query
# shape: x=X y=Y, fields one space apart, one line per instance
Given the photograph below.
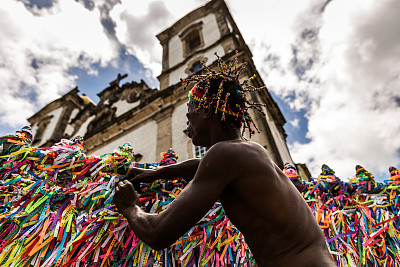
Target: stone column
x=164 y=76
x=164 y=131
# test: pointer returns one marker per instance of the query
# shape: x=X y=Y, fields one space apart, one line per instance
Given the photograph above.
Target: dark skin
x=256 y=195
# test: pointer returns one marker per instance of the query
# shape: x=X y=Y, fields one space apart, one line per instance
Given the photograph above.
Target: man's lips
x=189 y=132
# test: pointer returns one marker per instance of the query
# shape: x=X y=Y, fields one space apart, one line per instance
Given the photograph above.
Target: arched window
x=196 y=67
x=195 y=64
x=192 y=39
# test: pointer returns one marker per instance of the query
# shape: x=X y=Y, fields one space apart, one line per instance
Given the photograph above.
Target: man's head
x=222 y=97
x=214 y=104
x=222 y=94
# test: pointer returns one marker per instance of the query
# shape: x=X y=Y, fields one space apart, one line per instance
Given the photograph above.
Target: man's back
x=257 y=197
x=263 y=203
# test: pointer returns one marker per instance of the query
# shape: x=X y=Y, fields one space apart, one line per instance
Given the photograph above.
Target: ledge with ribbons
x=56 y=209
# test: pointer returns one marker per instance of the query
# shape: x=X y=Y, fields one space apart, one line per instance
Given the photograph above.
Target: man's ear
x=208 y=112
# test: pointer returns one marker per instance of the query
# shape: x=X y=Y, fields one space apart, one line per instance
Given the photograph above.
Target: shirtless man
x=258 y=198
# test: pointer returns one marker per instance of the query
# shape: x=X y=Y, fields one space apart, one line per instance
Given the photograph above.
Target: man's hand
x=160 y=230
x=137 y=175
x=125 y=197
x=185 y=169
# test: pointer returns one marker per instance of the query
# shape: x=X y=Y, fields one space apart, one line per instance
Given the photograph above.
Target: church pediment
x=117 y=100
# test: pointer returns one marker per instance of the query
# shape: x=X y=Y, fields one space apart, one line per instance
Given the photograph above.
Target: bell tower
x=154 y=120
x=194 y=39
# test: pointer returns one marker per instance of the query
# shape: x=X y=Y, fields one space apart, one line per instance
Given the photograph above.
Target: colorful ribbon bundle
x=360 y=218
x=56 y=210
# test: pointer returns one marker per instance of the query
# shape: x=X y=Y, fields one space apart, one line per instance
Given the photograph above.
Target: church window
x=196 y=67
x=199 y=151
x=42 y=125
x=195 y=64
x=192 y=39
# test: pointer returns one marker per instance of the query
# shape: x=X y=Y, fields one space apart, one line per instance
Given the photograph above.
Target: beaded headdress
x=227 y=72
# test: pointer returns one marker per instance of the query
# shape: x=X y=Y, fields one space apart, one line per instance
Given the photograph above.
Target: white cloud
x=136 y=29
x=340 y=65
x=351 y=103
x=37 y=50
x=138 y=25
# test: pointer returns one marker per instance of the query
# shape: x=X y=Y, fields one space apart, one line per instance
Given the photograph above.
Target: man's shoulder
x=236 y=150
x=236 y=145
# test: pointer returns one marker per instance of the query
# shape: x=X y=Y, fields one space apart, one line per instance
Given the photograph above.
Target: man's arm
x=185 y=169
x=161 y=230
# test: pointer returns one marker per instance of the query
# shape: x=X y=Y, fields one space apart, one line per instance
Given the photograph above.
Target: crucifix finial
x=119 y=78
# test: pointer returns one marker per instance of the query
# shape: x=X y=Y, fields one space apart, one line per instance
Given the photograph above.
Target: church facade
x=153 y=120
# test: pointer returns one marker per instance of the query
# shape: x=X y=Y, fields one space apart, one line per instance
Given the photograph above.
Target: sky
x=331 y=65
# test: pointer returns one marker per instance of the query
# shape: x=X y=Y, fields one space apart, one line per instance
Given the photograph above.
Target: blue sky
x=332 y=66
x=91 y=85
